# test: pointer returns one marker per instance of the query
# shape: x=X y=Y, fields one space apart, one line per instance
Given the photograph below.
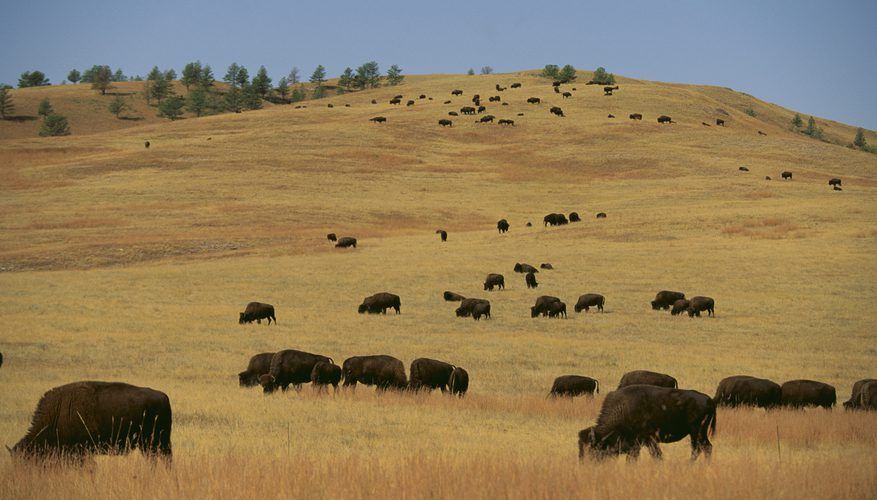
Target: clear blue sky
x=816 y=57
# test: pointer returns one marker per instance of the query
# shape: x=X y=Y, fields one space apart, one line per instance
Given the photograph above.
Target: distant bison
x=863 y=396
x=467 y=306
x=259 y=365
x=444 y=122
x=530 y=278
x=331 y=237
x=486 y=119
x=589 y=300
x=98 y=417
x=379 y=303
x=743 y=390
x=515 y=85
x=442 y=234
x=645 y=377
x=453 y=113
x=467 y=110
x=481 y=308
x=601 y=215
x=786 y=175
x=456 y=92
x=555 y=110
x=636 y=116
x=330 y=105
x=608 y=90
x=555 y=220
x=557 y=310
x=665 y=298
x=290 y=367
x=541 y=306
x=610 y=115
x=257 y=311
x=502 y=226
x=494 y=98
x=505 y=121
x=574 y=385
x=385 y=372
x=429 y=374
x=574 y=217
x=446 y=102
x=534 y=100
x=567 y=95
x=720 y=122
x=452 y=297
x=680 y=306
x=743 y=169
x=378 y=119
x=374 y=101
x=525 y=268
x=324 y=374
x=642 y=415
x=698 y=304
x=395 y=101
x=801 y=393
x=546 y=265
x=346 y=242
x=422 y=96
x=494 y=280
x=665 y=119
x=834 y=182
x=767 y=177
x=409 y=103
x=459 y=382
x=146 y=144
x=481 y=109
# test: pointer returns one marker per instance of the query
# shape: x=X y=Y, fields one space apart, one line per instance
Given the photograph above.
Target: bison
x=555 y=220
x=515 y=85
x=346 y=242
x=720 y=122
x=324 y=374
x=409 y=103
x=555 y=110
x=259 y=365
x=534 y=100
x=834 y=182
x=574 y=217
x=644 y=377
x=331 y=237
x=505 y=121
x=665 y=298
x=743 y=169
x=482 y=109
x=290 y=367
x=856 y=400
x=665 y=119
x=459 y=382
x=567 y=95
x=589 y=300
x=786 y=175
x=395 y=101
x=385 y=372
x=530 y=279
x=444 y=122
x=378 y=119
x=452 y=297
x=494 y=280
x=546 y=265
x=698 y=304
x=574 y=385
x=643 y=415
x=82 y=418
x=481 y=308
x=541 y=306
x=146 y=144
x=502 y=226
x=486 y=119
x=467 y=306
x=467 y=110
x=801 y=393
x=456 y=92
x=743 y=390
x=525 y=268
x=601 y=215
x=379 y=303
x=608 y=90
x=636 y=116
x=257 y=311
x=442 y=234
x=453 y=113
x=430 y=374
x=680 y=306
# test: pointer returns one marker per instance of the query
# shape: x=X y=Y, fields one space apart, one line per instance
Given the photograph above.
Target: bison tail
x=597 y=389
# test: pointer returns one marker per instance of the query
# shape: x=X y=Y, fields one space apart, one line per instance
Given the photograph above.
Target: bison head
x=533 y=312
x=243 y=319
x=599 y=446
x=487 y=286
x=247 y=379
x=363 y=308
x=461 y=312
x=655 y=305
x=267 y=382
x=518 y=268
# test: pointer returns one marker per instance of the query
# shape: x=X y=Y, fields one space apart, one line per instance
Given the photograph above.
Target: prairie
x=121 y=263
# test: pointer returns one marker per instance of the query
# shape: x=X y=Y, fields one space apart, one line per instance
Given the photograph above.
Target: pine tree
x=368 y=75
x=233 y=100
x=294 y=77
x=191 y=74
x=250 y=98
x=859 y=141
x=74 y=76
x=601 y=77
x=486 y=70
x=101 y=79
x=346 y=78
x=811 y=126
x=170 y=75
x=318 y=76
x=567 y=74
x=206 y=79
x=117 y=105
x=45 y=108
x=197 y=101
x=394 y=75
x=797 y=123
x=262 y=82
x=283 y=88
x=54 y=125
x=550 y=71
x=172 y=107
x=118 y=76
x=231 y=76
x=6 y=106
x=471 y=72
x=298 y=94
x=32 y=79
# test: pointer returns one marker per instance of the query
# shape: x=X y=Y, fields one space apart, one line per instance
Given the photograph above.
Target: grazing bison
x=698 y=304
x=720 y=122
x=520 y=114
x=556 y=111
x=481 y=109
x=743 y=169
x=838 y=188
x=444 y=122
x=374 y=101
x=486 y=119
x=476 y=99
x=574 y=385
x=680 y=306
x=330 y=105
x=555 y=220
x=443 y=234
x=636 y=116
x=494 y=98
x=467 y=110
x=608 y=90
x=346 y=242
x=422 y=96
x=452 y=297
x=146 y=144
x=515 y=85
x=705 y=124
x=541 y=306
x=530 y=278
x=467 y=306
x=503 y=226
x=534 y=100
x=856 y=397
x=459 y=382
x=786 y=175
x=601 y=215
x=505 y=121
x=481 y=308
x=378 y=119
x=324 y=374
x=110 y=418
x=331 y=237
x=1 y=359
x=446 y=102
x=743 y=390
x=456 y=92
x=546 y=265
x=398 y=96
x=665 y=298
x=567 y=95
x=589 y=300
x=761 y=133
x=453 y=113
x=290 y=367
x=801 y=393
x=574 y=217
x=834 y=182
x=257 y=311
x=499 y=89
x=525 y=268
x=557 y=310
x=529 y=224
x=395 y=101
x=645 y=377
x=610 y=116
x=429 y=374
x=409 y=103
x=379 y=303
x=385 y=372
x=643 y=415
x=665 y=119
x=494 y=280
x=259 y=365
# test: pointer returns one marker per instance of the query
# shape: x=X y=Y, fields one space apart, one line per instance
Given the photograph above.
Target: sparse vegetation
x=471 y=72
x=54 y=125
x=119 y=76
x=368 y=76
x=283 y=89
x=45 y=108
x=346 y=79
x=797 y=123
x=812 y=129
x=32 y=79
x=191 y=74
x=236 y=76
x=157 y=86
x=859 y=140
x=6 y=105
x=294 y=77
x=117 y=106
x=751 y=112
x=486 y=70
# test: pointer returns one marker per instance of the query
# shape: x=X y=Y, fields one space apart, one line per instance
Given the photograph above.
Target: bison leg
x=633 y=453
x=655 y=450
x=698 y=444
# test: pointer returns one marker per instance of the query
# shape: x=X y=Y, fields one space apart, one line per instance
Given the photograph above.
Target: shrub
x=54 y=125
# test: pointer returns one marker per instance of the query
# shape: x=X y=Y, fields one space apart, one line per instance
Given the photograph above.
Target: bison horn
x=8 y=449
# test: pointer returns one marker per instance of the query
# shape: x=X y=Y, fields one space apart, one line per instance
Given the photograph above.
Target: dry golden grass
x=128 y=264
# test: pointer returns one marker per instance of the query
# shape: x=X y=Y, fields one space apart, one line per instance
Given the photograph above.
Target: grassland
x=128 y=264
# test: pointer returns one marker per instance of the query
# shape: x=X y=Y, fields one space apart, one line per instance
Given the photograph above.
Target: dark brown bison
x=801 y=393
x=643 y=415
x=665 y=119
x=541 y=306
x=290 y=367
x=555 y=110
x=1 y=359
x=494 y=280
x=786 y=175
x=467 y=306
x=698 y=304
x=443 y=234
x=111 y=418
x=534 y=100
x=385 y=372
x=324 y=374
x=743 y=390
x=498 y=88
x=720 y=122
x=601 y=215
x=665 y=298
x=374 y=101
x=574 y=385
x=525 y=268
x=636 y=116
x=444 y=122
x=502 y=226
x=608 y=90
x=422 y=96
x=398 y=96
x=379 y=303
x=530 y=279
x=557 y=310
x=645 y=377
x=330 y=105
x=453 y=297
x=515 y=85
x=494 y=98
x=395 y=101
x=567 y=95
x=610 y=116
x=459 y=382
x=574 y=217
x=346 y=242
x=456 y=92
x=486 y=119
x=429 y=374
x=680 y=306
x=506 y=121
x=555 y=220
x=481 y=109
x=743 y=169
x=476 y=99
x=856 y=397
x=761 y=133
x=481 y=308
x=834 y=182
x=146 y=144
x=409 y=103
x=259 y=365
x=331 y=237
x=546 y=265
x=767 y=177
x=837 y=188
x=467 y=110
x=446 y=102
x=257 y=311
x=589 y=300
x=378 y=119
x=453 y=113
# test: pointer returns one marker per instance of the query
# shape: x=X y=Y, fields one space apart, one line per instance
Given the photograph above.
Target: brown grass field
x=121 y=263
